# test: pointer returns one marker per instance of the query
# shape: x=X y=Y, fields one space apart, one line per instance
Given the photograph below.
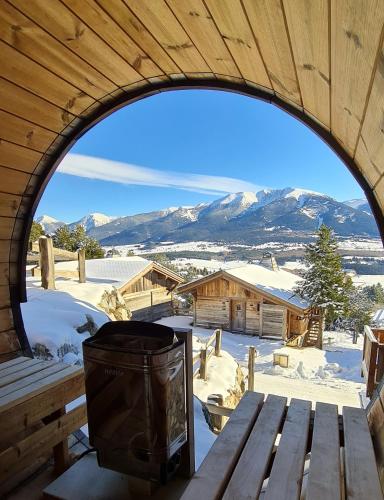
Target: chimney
x=268 y=260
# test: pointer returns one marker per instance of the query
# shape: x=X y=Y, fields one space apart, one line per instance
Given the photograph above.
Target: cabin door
x=238 y=315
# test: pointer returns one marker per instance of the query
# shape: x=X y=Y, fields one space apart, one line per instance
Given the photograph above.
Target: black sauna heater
x=136 y=398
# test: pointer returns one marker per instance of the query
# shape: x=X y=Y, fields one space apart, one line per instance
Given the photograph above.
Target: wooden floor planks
x=325 y=455
x=210 y=480
x=287 y=471
x=361 y=477
x=248 y=477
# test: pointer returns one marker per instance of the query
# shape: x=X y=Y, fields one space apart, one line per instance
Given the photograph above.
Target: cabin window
x=238 y=307
x=258 y=307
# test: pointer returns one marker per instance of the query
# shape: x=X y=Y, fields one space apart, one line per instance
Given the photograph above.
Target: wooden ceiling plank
x=266 y=18
x=366 y=161
x=24 y=133
x=237 y=34
x=30 y=39
x=9 y=204
x=370 y=149
x=107 y=29
x=18 y=68
x=60 y=22
x=24 y=104
x=199 y=25
x=160 y=21
x=6 y=228
x=128 y=22
x=6 y=319
x=18 y=157
x=355 y=34
x=13 y=181
x=308 y=30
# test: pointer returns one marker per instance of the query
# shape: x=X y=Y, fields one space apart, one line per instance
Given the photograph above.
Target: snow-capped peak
x=46 y=219
x=92 y=220
x=49 y=224
x=244 y=199
x=298 y=193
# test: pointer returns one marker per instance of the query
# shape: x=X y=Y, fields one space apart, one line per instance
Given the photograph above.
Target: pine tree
x=73 y=240
x=325 y=285
x=36 y=231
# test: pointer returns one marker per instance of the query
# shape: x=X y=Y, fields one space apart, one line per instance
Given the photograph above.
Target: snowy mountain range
x=246 y=217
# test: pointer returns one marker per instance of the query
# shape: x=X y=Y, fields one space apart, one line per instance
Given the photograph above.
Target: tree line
x=70 y=239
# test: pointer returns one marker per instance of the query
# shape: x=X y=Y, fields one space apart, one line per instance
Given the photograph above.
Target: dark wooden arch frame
x=49 y=164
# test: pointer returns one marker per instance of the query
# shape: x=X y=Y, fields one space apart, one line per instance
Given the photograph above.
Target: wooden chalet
x=252 y=299
x=147 y=287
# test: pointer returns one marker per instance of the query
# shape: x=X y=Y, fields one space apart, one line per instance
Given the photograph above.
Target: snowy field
x=329 y=375
x=367 y=244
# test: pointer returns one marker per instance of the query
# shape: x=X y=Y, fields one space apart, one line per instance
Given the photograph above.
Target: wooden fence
x=372 y=366
x=47 y=270
x=206 y=353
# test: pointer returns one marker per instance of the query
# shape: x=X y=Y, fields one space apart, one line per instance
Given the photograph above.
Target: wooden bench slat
x=35 y=377
x=17 y=367
x=15 y=458
x=13 y=362
x=324 y=480
x=22 y=416
x=36 y=388
x=211 y=478
x=361 y=476
x=25 y=372
x=287 y=471
x=249 y=474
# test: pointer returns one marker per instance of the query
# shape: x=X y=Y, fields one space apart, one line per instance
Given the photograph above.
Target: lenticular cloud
x=126 y=173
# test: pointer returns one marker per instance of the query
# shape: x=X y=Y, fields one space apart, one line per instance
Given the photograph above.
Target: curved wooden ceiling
x=64 y=63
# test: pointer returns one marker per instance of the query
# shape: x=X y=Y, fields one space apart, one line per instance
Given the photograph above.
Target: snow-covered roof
x=116 y=271
x=378 y=317
x=278 y=283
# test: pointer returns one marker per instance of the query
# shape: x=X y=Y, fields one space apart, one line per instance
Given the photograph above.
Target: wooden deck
x=33 y=421
x=271 y=451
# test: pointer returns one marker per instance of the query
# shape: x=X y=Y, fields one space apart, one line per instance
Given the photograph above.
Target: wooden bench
x=33 y=420
x=271 y=451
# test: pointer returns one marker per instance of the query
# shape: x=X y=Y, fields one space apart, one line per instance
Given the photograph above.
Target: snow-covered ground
x=328 y=375
x=52 y=316
x=368 y=244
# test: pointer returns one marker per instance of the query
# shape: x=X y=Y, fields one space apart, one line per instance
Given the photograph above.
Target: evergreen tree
x=325 y=285
x=73 y=240
x=36 y=231
x=375 y=293
x=360 y=310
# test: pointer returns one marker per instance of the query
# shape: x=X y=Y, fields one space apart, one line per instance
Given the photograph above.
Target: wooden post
x=47 y=263
x=187 y=464
x=218 y=342
x=217 y=420
x=251 y=368
x=203 y=364
x=81 y=263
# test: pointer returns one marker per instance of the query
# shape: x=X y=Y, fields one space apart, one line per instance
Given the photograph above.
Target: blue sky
x=184 y=147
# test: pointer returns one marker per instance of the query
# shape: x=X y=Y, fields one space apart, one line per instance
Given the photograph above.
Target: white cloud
x=125 y=173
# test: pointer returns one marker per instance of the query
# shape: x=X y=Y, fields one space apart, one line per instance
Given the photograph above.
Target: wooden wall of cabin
x=150 y=281
x=150 y=298
x=212 y=308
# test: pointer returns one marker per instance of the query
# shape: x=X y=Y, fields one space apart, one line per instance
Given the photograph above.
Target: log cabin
x=147 y=287
x=252 y=299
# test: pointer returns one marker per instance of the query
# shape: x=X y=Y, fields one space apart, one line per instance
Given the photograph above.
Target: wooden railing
x=206 y=353
x=372 y=366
